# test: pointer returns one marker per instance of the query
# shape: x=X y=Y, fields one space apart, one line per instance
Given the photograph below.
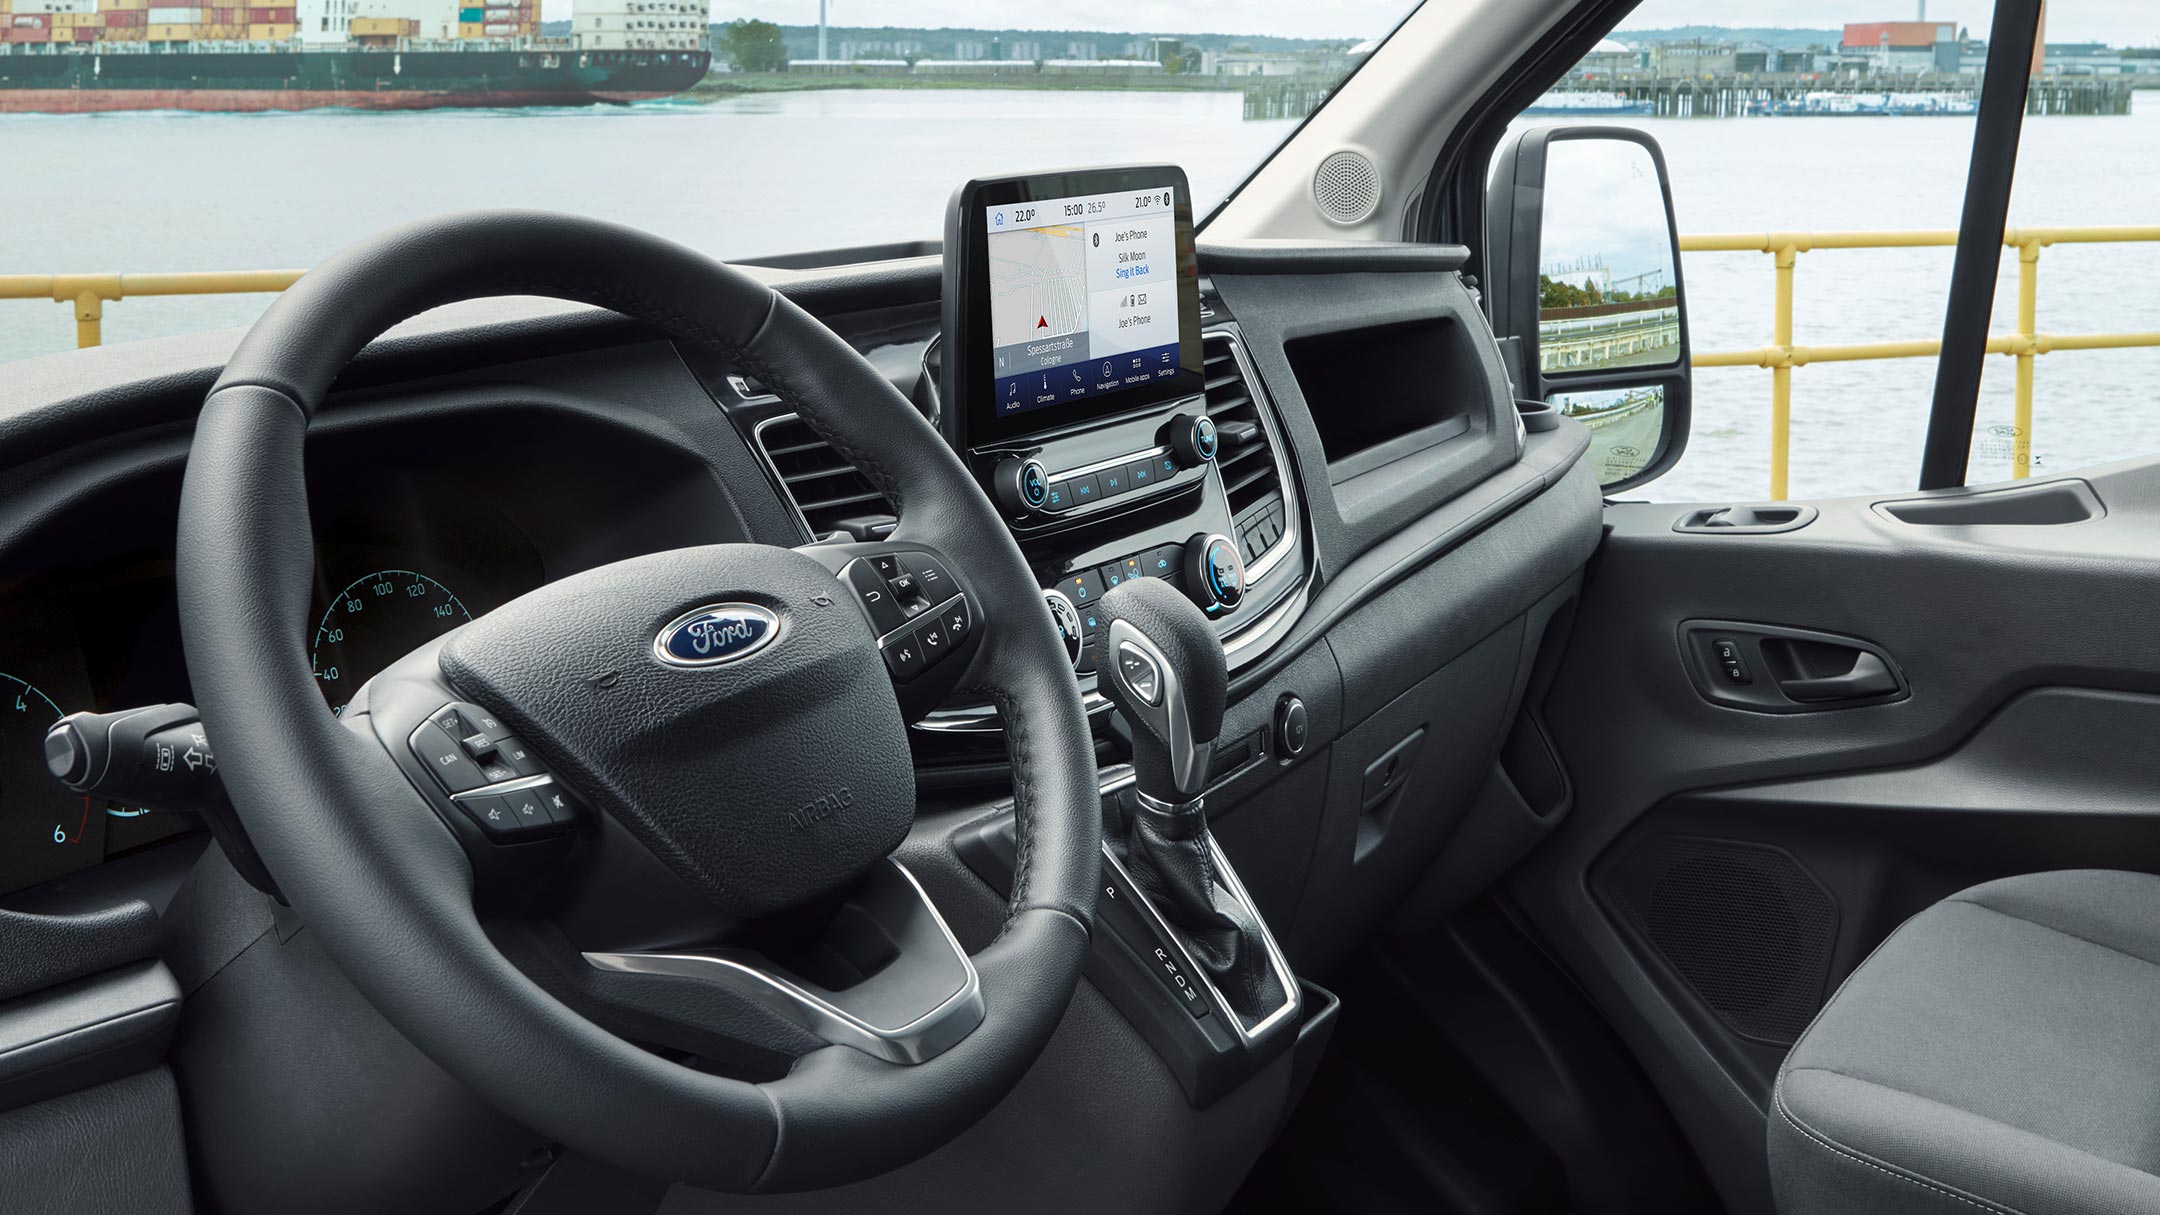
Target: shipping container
x=30 y=21
x=178 y=16
x=27 y=34
x=88 y=33
x=504 y=30
x=270 y=31
x=126 y=20
x=169 y=33
x=384 y=27
x=282 y=15
x=123 y=6
x=470 y=15
x=470 y=29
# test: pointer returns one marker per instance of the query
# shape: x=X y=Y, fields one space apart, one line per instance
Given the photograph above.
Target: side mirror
x=1583 y=260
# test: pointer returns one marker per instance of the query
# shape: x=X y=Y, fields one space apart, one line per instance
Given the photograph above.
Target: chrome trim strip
x=924 y=1038
x=1294 y=999
x=1265 y=411
x=516 y=785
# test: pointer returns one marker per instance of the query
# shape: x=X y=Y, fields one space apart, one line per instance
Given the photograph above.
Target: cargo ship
x=82 y=56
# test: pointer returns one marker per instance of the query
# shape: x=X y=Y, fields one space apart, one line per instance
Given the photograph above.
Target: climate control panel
x=1206 y=567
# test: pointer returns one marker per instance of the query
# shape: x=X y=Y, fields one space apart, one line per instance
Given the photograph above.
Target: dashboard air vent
x=826 y=490
x=1246 y=461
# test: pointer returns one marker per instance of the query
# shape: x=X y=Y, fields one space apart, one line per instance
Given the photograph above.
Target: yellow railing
x=1781 y=355
x=89 y=293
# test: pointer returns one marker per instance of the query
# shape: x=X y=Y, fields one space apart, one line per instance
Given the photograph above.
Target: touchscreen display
x=1083 y=296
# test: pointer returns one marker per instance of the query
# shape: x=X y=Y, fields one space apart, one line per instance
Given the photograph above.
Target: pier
x=1736 y=94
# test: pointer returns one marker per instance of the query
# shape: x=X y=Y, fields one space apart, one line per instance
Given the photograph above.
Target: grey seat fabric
x=2000 y=1052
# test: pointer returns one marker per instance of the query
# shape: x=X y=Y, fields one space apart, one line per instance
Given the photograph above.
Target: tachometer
x=375 y=621
x=45 y=831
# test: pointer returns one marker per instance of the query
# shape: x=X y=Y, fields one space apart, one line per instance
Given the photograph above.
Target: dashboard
x=1133 y=413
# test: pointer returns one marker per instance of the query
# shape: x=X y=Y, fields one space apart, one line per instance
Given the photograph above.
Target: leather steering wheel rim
x=384 y=884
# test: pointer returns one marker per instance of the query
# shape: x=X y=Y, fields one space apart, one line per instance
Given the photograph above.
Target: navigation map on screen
x=1083 y=296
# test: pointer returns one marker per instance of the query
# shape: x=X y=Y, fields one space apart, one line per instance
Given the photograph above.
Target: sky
x=2121 y=22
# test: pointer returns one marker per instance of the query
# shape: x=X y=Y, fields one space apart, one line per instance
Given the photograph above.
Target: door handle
x=1870 y=676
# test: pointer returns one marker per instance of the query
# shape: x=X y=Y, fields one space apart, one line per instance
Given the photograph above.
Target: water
x=783 y=172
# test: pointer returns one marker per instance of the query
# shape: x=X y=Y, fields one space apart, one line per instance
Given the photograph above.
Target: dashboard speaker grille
x=1347 y=187
x=1246 y=462
x=825 y=489
x=1744 y=925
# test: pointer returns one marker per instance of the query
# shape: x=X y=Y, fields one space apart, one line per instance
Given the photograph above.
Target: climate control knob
x=1214 y=573
x=1067 y=618
x=1023 y=486
x=1192 y=439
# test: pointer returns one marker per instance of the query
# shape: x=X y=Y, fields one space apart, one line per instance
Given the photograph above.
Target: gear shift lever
x=1163 y=668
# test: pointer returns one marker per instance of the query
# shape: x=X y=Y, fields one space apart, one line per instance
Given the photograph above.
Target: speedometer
x=375 y=621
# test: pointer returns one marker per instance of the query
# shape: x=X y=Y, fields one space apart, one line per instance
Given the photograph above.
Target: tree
x=753 y=46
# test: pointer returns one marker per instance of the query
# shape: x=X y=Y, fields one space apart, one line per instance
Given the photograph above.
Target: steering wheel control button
x=493 y=815
x=445 y=759
x=1214 y=573
x=957 y=620
x=930 y=575
x=559 y=805
x=934 y=641
x=530 y=811
x=479 y=746
x=1137 y=670
x=513 y=751
x=876 y=598
x=904 y=656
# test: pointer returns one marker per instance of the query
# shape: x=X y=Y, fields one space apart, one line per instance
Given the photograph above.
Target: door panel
x=1726 y=866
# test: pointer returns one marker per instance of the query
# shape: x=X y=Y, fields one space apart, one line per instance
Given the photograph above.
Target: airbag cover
x=763 y=781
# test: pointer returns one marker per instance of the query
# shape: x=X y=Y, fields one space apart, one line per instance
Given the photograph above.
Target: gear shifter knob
x=1163 y=667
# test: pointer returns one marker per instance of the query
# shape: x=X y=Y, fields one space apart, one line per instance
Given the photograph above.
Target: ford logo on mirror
x=721 y=632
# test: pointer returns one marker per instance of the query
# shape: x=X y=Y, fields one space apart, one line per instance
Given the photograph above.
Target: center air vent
x=1247 y=459
x=826 y=490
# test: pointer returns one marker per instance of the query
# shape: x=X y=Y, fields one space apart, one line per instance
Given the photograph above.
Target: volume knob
x=1023 y=486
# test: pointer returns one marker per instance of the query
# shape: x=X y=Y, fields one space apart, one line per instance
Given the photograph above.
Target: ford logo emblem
x=717 y=633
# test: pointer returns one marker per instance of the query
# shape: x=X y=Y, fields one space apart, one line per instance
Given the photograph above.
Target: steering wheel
x=720 y=732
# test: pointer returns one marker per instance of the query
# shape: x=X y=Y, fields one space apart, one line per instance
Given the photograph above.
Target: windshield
x=227 y=139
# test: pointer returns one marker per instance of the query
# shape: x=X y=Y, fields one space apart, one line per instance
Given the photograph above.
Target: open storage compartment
x=1380 y=394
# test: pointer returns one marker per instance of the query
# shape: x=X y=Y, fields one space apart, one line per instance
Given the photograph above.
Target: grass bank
x=732 y=84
